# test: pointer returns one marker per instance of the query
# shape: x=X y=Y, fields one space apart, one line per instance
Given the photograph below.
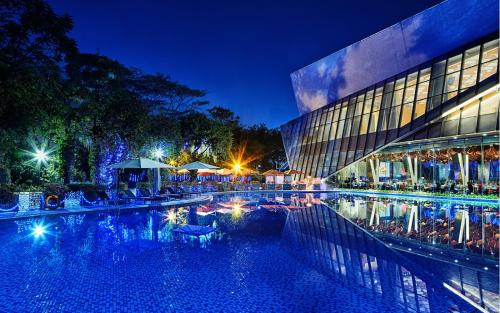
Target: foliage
x=89 y=110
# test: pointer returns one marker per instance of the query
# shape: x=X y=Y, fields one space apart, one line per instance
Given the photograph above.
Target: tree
x=34 y=41
x=263 y=145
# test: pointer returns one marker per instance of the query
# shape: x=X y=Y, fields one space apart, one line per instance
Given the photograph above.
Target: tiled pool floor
x=251 y=274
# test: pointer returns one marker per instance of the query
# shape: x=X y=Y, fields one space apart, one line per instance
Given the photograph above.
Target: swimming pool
x=268 y=253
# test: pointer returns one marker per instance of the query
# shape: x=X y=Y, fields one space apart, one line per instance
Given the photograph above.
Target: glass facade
x=452 y=96
x=341 y=246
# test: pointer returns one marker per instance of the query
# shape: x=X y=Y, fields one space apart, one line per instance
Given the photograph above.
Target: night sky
x=241 y=52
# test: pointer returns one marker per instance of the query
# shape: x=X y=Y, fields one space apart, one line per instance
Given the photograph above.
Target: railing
x=455 y=226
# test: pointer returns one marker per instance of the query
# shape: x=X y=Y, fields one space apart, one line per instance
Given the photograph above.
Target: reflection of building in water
x=463 y=237
x=338 y=248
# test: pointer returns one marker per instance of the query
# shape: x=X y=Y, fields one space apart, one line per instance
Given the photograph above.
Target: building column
x=464 y=226
x=375 y=217
x=375 y=166
x=413 y=170
x=463 y=161
x=413 y=221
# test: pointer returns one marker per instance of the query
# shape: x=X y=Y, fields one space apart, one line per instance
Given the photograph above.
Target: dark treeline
x=88 y=110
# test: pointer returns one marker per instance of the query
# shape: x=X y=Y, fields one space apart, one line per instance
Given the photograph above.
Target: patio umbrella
x=272 y=173
x=140 y=163
x=293 y=172
x=194 y=166
x=143 y=163
x=224 y=172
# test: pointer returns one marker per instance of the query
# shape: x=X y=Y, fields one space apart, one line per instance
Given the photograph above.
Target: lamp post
x=41 y=157
x=158 y=155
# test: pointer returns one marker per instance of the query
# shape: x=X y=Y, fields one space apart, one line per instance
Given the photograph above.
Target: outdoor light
x=41 y=156
x=158 y=153
x=171 y=217
x=237 y=167
x=38 y=231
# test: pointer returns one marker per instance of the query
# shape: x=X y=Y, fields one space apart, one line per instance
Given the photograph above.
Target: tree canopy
x=88 y=110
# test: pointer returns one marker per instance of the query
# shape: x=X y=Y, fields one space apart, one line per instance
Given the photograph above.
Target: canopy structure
x=293 y=172
x=224 y=172
x=195 y=166
x=140 y=163
x=272 y=173
x=143 y=163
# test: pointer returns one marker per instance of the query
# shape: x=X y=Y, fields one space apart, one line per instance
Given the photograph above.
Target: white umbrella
x=144 y=163
x=140 y=163
x=198 y=166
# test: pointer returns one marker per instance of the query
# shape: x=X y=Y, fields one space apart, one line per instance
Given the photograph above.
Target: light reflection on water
x=310 y=232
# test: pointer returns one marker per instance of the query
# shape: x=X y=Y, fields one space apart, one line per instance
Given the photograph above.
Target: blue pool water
x=261 y=258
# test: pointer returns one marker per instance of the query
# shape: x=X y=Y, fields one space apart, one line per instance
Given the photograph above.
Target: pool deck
x=373 y=193
x=198 y=199
x=206 y=197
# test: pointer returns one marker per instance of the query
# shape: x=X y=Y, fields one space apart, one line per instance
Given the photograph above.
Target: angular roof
x=393 y=50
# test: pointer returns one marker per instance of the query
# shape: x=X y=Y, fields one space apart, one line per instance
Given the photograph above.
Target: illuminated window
x=423 y=90
x=451 y=83
x=376 y=103
x=394 y=118
x=400 y=83
x=469 y=76
x=488 y=69
x=490 y=51
x=411 y=79
x=333 y=131
x=409 y=94
x=488 y=112
x=471 y=57
x=420 y=107
x=340 y=129
x=406 y=115
x=454 y=64
x=384 y=116
x=374 y=121
x=425 y=74
x=359 y=108
x=489 y=104
x=364 y=124
x=398 y=97
x=468 y=119
x=368 y=104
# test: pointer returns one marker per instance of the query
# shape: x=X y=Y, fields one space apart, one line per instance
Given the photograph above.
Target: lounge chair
x=171 y=193
x=146 y=195
x=126 y=195
x=9 y=202
x=90 y=198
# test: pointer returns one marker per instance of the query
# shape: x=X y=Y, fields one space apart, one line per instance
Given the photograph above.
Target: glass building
x=421 y=113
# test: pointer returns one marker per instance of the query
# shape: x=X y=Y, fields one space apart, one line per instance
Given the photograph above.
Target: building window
x=488 y=112
x=364 y=124
x=471 y=57
x=469 y=76
x=374 y=122
x=406 y=115
x=454 y=64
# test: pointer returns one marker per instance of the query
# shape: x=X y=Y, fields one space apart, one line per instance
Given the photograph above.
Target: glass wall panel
x=490 y=51
x=373 y=122
x=488 y=112
x=469 y=77
x=394 y=118
x=488 y=69
x=471 y=57
x=409 y=94
x=406 y=115
x=364 y=124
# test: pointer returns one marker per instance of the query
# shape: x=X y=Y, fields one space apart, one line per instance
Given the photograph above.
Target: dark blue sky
x=241 y=52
